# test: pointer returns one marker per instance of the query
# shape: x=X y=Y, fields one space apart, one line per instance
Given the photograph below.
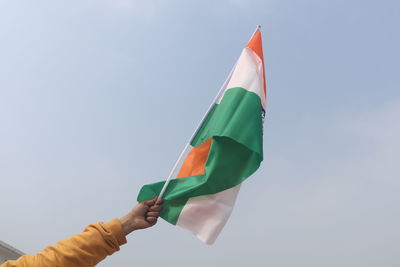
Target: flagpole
x=197 y=128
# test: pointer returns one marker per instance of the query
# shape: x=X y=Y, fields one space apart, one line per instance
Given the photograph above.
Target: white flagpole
x=197 y=128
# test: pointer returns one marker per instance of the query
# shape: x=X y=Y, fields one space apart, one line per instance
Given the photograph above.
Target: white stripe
x=205 y=216
x=248 y=74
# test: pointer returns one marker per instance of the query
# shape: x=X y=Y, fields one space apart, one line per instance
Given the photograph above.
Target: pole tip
x=259 y=26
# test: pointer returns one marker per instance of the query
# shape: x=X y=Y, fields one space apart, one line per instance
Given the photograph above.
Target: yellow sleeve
x=88 y=248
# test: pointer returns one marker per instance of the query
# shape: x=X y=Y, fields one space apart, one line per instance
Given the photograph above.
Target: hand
x=143 y=215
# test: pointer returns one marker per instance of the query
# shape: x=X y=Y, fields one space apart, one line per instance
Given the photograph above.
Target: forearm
x=95 y=243
x=85 y=249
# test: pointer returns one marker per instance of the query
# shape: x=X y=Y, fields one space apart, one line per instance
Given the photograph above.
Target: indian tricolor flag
x=226 y=150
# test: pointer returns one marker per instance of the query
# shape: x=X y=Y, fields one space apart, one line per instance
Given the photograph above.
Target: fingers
x=151 y=202
x=152 y=214
x=154 y=210
x=151 y=220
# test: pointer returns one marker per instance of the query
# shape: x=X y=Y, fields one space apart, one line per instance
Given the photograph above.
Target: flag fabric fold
x=226 y=150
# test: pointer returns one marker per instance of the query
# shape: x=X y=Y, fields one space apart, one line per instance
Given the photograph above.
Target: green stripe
x=238 y=116
x=236 y=152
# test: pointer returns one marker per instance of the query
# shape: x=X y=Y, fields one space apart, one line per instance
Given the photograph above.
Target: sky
x=98 y=97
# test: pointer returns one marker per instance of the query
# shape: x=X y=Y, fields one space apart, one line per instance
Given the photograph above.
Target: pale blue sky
x=98 y=98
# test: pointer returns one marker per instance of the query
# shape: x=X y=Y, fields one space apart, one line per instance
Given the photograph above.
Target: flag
x=226 y=150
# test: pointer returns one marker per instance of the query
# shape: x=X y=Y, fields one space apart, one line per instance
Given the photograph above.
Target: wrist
x=127 y=225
